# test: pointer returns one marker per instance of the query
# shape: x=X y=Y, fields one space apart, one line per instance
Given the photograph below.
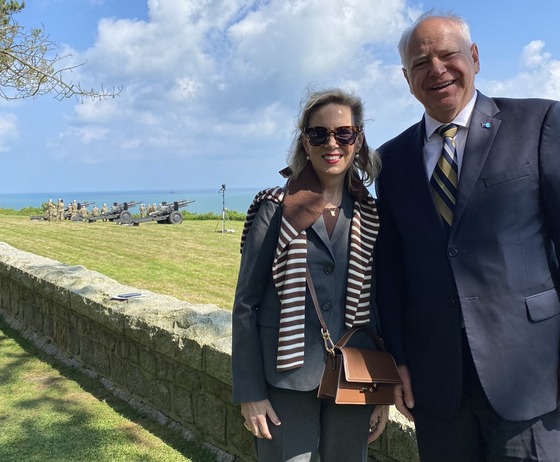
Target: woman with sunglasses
x=323 y=221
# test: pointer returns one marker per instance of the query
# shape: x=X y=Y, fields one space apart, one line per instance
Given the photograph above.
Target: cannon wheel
x=175 y=218
x=125 y=215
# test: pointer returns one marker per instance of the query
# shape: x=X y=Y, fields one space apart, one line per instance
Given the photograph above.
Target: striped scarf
x=302 y=204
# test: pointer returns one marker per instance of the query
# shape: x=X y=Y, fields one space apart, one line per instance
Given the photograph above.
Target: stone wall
x=170 y=358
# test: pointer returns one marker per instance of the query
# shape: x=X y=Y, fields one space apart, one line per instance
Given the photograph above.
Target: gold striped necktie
x=445 y=177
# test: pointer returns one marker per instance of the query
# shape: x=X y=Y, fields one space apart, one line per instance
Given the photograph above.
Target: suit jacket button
x=452 y=253
x=328 y=269
x=326 y=306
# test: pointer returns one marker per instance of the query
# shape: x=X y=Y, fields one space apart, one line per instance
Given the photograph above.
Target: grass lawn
x=190 y=261
x=51 y=412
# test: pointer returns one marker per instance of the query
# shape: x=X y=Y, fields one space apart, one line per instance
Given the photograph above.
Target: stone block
x=210 y=417
x=101 y=361
x=148 y=361
x=188 y=378
x=136 y=381
x=118 y=370
x=190 y=354
x=60 y=333
x=160 y=396
x=183 y=405
x=165 y=368
x=217 y=363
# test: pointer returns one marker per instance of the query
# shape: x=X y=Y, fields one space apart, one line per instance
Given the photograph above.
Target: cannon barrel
x=122 y=206
x=176 y=205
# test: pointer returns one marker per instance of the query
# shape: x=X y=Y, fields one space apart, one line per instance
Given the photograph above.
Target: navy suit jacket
x=497 y=270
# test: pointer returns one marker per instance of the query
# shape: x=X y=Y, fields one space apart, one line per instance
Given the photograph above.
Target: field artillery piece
x=168 y=214
x=119 y=212
x=68 y=213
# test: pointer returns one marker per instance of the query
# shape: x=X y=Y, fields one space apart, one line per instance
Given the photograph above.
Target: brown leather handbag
x=356 y=375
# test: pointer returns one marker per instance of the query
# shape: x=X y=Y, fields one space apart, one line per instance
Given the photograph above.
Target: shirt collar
x=462 y=120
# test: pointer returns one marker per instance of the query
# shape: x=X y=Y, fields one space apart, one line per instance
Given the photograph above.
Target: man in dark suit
x=468 y=281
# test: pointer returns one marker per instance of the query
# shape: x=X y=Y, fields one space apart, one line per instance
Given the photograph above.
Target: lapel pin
x=485 y=125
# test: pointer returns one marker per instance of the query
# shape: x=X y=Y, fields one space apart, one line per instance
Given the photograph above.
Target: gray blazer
x=256 y=311
x=498 y=270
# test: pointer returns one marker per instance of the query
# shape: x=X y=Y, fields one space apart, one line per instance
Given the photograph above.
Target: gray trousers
x=314 y=429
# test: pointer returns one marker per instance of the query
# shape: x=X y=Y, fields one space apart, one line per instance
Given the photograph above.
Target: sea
x=204 y=200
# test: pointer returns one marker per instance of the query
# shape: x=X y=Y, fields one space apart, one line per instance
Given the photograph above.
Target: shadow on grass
x=56 y=422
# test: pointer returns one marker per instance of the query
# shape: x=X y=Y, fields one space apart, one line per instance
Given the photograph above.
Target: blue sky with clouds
x=211 y=89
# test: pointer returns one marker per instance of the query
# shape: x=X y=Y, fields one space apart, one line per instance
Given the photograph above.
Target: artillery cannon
x=119 y=212
x=68 y=211
x=168 y=214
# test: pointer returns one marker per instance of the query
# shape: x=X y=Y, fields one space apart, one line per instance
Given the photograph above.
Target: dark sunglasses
x=344 y=136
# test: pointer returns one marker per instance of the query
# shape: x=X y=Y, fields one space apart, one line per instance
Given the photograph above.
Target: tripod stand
x=225 y=217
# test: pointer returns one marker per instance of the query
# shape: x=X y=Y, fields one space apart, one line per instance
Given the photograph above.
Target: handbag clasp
x=370 y=389
x=329 y=345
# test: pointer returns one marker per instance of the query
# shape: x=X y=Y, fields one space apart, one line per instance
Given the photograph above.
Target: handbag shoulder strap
x=329 y=344
x=313 y=293
x=374 y=337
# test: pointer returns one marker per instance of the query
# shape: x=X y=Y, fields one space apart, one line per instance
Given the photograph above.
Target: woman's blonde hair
x=366 y=165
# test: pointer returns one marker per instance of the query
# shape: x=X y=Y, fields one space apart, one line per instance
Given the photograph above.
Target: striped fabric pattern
x=445 y=176
x=289 y=269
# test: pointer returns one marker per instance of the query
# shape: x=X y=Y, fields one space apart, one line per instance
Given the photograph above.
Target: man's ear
x=405 y=73
x=475 y=57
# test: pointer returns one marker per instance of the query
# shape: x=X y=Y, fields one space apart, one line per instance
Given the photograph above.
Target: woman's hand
x=377 y=422
x=255 y=413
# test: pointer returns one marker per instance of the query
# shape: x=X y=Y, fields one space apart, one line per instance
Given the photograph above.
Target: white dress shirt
x=433 y=142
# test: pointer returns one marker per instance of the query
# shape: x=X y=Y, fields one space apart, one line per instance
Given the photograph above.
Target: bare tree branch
x=29 y=65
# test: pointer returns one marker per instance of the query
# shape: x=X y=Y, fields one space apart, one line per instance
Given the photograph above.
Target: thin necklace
x=332 y=210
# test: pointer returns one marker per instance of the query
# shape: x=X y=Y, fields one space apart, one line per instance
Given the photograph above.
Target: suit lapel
x=413 y=160
x=482 y=131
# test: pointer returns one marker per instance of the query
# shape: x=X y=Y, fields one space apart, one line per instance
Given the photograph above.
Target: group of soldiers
x=73 y=211
x=77 y=211
x=145 y=210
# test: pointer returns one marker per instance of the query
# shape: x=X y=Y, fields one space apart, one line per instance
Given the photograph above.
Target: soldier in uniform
x=84 y=213
x=50 y=212
x=104 y=209
x=74 y=213
x=60 y=209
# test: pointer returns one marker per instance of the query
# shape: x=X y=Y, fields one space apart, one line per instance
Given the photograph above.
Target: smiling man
x=467 y=258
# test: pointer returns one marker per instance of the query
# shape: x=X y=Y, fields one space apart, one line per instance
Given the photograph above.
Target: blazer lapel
x=482 y=131
x=341 y=228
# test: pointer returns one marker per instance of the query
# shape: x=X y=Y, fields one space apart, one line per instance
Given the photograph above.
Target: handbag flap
x=369 y=366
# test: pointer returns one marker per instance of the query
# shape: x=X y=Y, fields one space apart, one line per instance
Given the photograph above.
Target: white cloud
x=215 y=85
x=230 y=68
x=8 y=131
x=532 y=55
x=539 y=76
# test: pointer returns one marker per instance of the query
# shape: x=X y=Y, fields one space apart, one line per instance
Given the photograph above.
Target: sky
x=211 y=89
